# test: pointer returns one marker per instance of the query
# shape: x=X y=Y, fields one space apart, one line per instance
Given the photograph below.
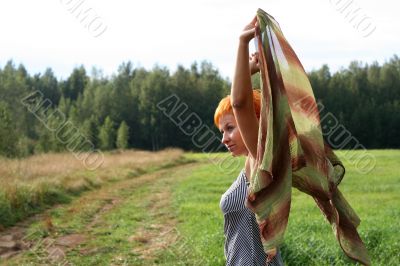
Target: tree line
x=41 y=113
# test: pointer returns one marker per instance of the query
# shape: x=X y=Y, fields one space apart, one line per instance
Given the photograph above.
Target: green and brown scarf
x=291 y=150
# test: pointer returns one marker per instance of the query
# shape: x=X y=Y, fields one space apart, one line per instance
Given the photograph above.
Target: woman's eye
x=230 y=128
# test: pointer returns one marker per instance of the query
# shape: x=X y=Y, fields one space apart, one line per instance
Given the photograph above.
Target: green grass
x=188 y=208
x=309 y=240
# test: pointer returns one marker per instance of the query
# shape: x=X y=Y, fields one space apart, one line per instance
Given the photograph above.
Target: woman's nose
x=225 y=138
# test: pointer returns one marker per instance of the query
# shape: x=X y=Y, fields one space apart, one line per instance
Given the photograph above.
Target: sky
x=63 y=34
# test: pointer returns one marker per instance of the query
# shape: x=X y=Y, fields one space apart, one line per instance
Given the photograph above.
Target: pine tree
x=122 y=136
x=8 y=137
x=90 y=132
x=107 y=135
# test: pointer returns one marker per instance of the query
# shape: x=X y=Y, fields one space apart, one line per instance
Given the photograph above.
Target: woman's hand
x=254 y=64
x=249 y=31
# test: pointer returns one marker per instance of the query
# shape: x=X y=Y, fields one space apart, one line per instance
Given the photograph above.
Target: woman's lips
x=230 y=147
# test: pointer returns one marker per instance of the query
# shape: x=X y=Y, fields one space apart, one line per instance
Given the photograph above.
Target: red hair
x=225 y=107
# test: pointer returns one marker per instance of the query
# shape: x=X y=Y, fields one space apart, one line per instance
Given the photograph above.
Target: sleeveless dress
x=242 y=236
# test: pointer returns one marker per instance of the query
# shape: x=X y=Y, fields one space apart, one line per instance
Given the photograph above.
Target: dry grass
x=51 y=165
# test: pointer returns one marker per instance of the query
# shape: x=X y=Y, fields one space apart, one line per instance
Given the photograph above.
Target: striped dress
x=242 y=236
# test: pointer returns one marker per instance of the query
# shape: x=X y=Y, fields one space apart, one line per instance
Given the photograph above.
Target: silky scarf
x=291 y=150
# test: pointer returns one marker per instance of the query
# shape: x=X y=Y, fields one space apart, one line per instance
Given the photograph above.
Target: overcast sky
x=47 y=33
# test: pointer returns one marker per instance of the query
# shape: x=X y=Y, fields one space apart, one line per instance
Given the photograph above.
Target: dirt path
x=160 y=233
x=74 y=228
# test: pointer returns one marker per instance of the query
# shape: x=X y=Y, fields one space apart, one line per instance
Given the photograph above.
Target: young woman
x=237 y=119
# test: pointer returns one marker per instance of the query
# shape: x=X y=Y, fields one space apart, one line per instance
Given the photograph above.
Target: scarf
x=291 y=150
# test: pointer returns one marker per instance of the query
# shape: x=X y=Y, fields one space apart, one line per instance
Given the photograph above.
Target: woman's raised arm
x=242 y=92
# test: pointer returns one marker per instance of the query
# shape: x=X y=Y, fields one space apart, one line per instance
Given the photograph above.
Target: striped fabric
x=291 y=150
x=242 y=236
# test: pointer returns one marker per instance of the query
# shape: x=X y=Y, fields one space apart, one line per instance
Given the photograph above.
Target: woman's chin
x=235 y=154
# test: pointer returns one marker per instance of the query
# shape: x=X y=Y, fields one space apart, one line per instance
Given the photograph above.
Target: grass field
x=171 y=216
x=309 y=239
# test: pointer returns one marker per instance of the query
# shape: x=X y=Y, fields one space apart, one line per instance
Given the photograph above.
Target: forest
x=41 y=113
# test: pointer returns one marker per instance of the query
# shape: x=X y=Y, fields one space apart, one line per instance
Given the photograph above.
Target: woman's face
x=231 y=135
